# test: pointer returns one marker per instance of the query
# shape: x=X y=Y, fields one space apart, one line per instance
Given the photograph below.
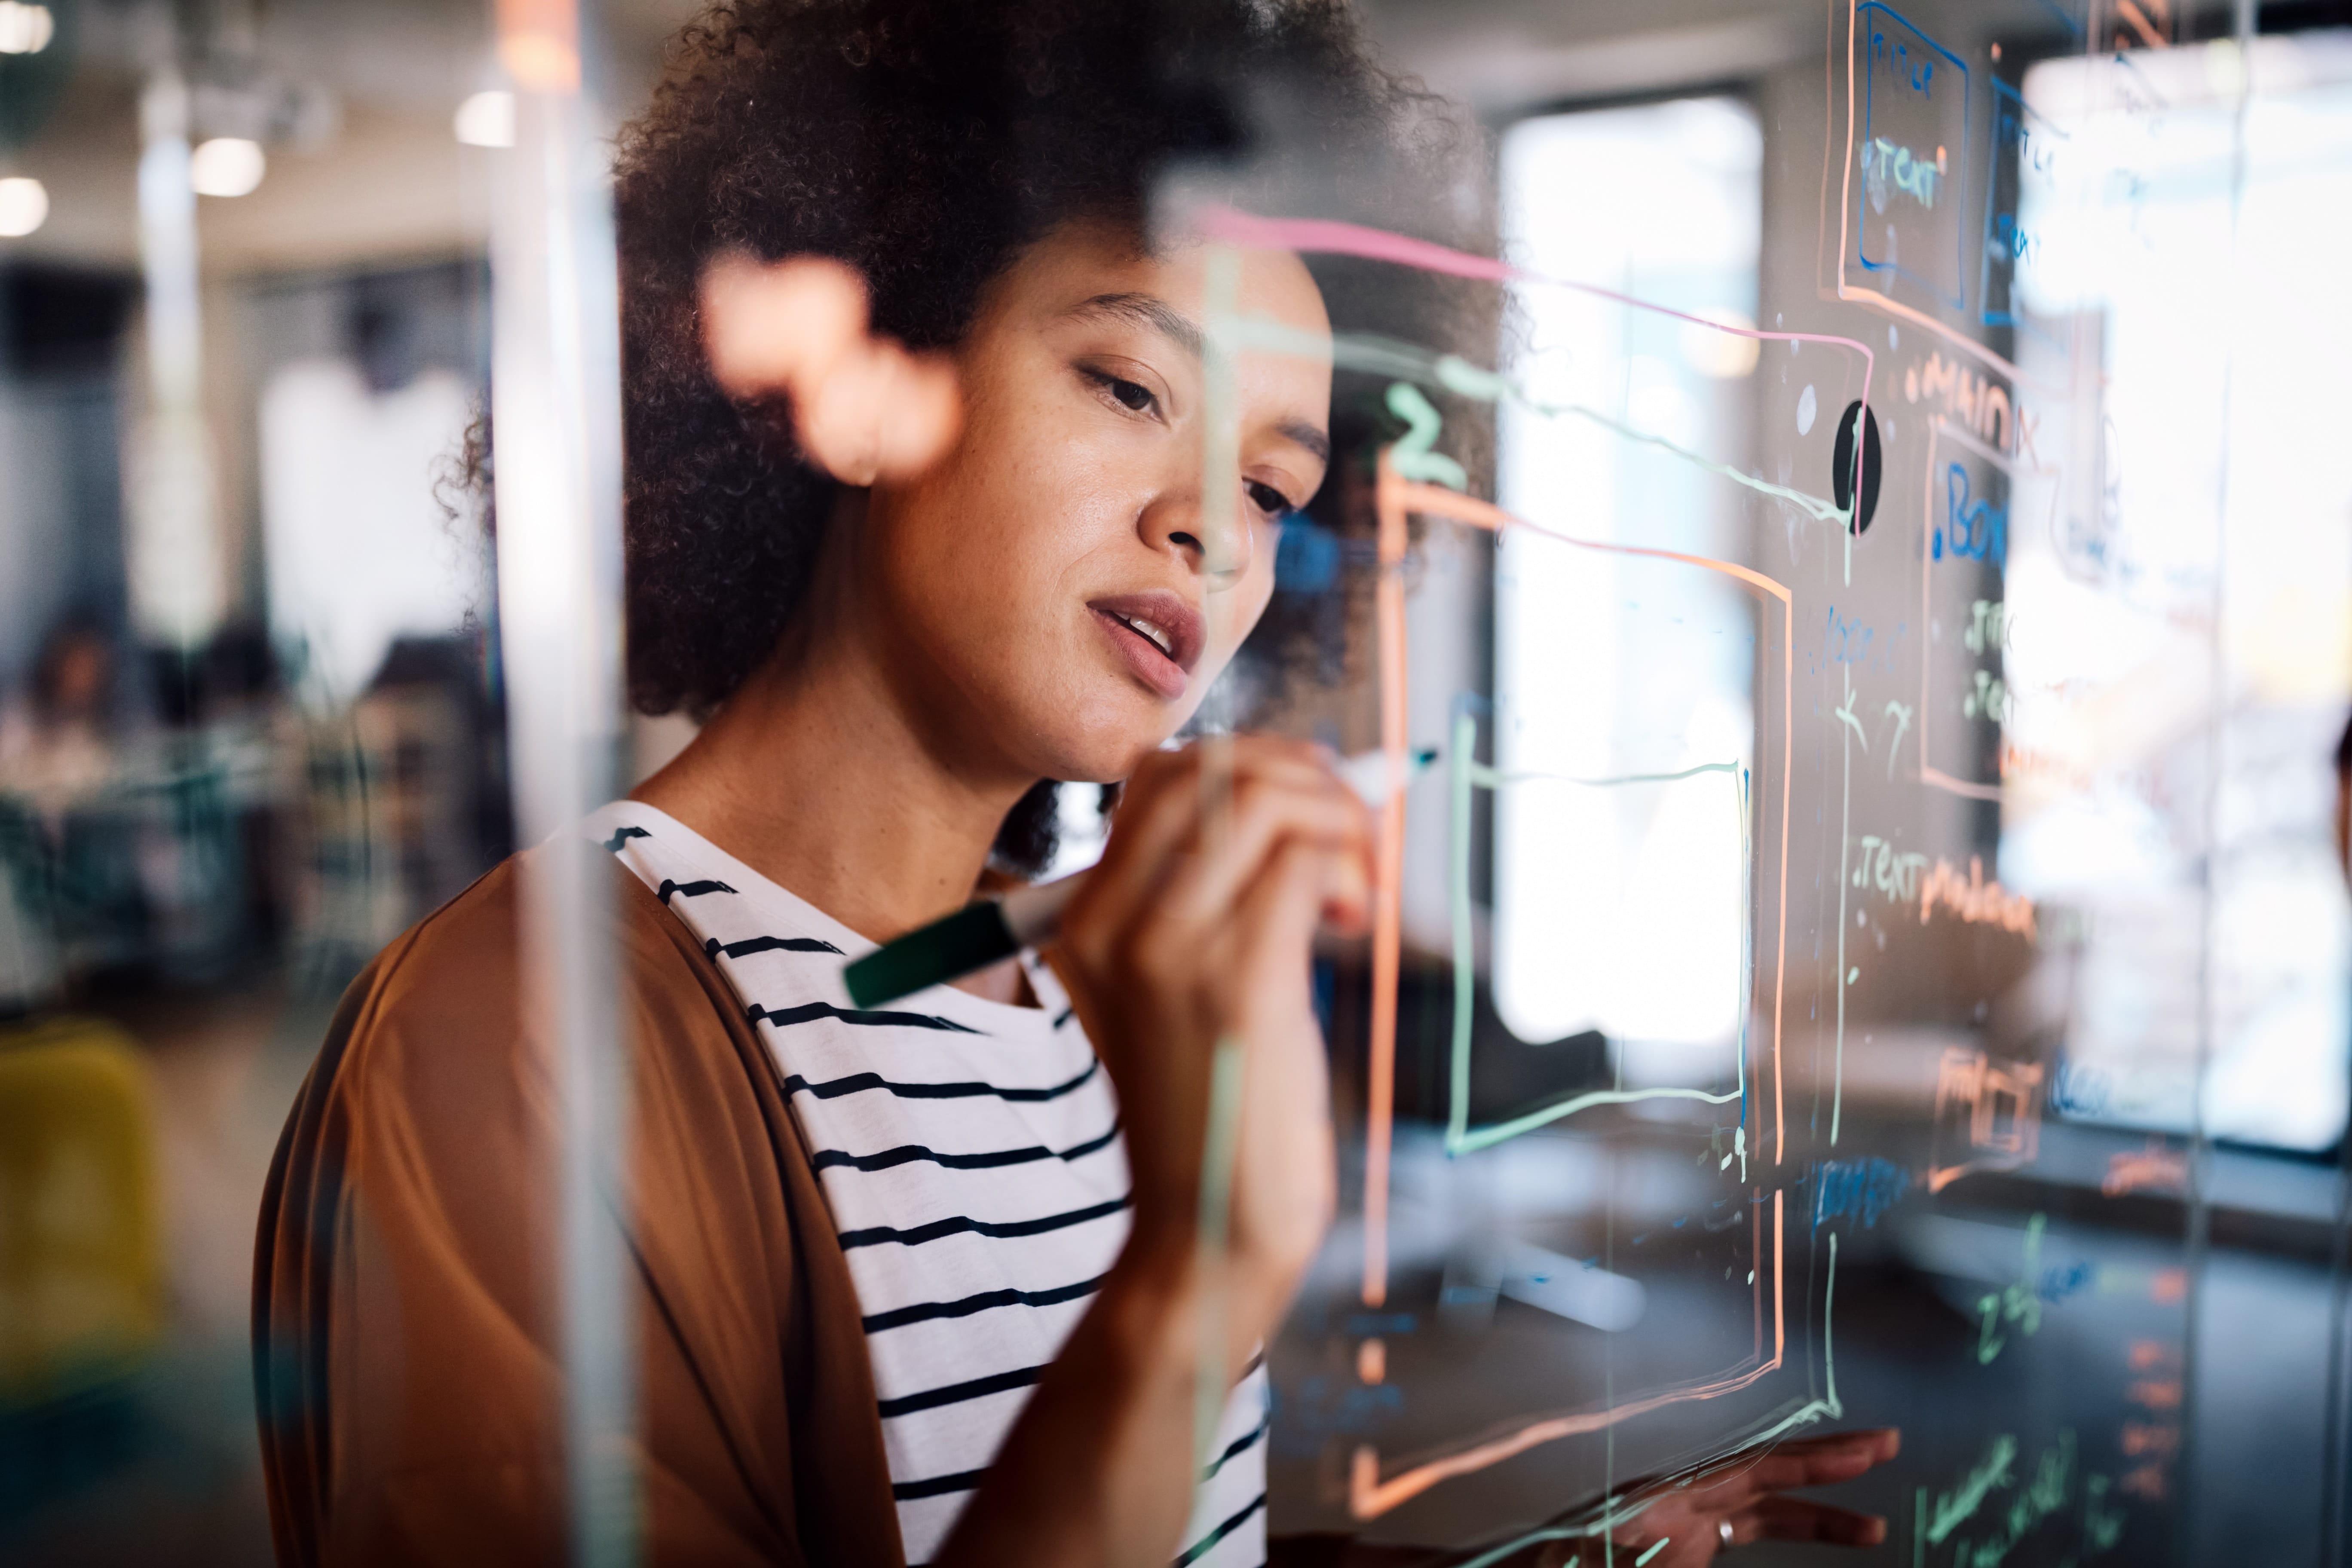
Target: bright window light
x=24 y=206
x=1623 y=721
x=487 y=120
x=226 y=166
x=25 y=29
x=358 y=551
x=2202 y=582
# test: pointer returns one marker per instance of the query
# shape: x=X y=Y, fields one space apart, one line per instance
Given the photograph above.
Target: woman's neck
x=817 y=775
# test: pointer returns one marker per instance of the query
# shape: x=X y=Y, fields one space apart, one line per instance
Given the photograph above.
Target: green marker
x=993 y=929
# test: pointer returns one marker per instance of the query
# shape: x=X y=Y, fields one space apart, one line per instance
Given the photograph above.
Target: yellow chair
x=81 y=1279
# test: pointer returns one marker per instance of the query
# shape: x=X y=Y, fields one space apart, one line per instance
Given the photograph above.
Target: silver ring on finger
x=1723 y=1529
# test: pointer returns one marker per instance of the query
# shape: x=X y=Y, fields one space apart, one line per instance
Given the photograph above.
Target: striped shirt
x=971 y=1158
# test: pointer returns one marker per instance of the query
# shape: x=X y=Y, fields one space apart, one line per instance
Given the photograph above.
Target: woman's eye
x=1133 y=396
x=1267 y=500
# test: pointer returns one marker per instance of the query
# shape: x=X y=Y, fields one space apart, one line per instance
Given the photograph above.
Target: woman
x=921 y=1284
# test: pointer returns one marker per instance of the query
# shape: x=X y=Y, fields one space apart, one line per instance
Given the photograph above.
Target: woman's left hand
x=864 y=407
x=1751 y=1499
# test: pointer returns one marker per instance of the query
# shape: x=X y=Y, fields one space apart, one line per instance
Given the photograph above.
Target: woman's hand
x=1750 y=1497
x=1196 y=927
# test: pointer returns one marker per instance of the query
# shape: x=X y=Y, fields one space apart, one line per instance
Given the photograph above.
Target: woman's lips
x=1138 y=625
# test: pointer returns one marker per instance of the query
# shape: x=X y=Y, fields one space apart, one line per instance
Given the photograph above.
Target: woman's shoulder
x=461 y=968
x=467 y=955
x=406 y=1273
x=446 y=1027
x=437 y=1100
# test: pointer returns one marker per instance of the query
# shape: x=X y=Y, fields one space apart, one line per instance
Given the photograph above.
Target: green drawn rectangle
x=1465 y=773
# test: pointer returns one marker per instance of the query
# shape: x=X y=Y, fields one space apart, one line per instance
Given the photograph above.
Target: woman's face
x=1056 y=593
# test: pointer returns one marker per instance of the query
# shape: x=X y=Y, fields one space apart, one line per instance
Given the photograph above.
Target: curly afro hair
x=926 y=142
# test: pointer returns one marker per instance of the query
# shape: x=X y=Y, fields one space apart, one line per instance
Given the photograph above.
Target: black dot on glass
x=1842 y=474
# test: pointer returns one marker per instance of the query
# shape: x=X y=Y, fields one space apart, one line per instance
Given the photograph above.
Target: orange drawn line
x=1369 y=1495
x=1396 y=498
x=1788 y=761
x=1943 y=780
x=1846 y=180
x=1780 y=1297
x=1388 y=913
x=1921 y=319
x=1436 y=502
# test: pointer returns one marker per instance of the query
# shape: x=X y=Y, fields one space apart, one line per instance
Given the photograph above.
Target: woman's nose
x=1217 y=540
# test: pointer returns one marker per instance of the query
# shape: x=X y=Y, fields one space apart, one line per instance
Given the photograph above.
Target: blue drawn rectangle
x=2025 y=149
x=1908 y=181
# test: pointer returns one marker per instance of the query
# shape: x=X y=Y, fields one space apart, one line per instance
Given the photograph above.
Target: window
x=1623 y=725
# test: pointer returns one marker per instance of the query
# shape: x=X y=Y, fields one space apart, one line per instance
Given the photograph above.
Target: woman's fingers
x=864 y=409
x=1275 y=916
x=770 y=330
x=922 y=413
x=1141 y=926
x=1787 y=1472
x=1283 y=1179
x=877 y=412
x=1751 y=1495
x=1813 y=1462
x=1882 y=1442
x=1794 y=1519
x=1160 y=834
x=1195 y=926
x=1265 y=811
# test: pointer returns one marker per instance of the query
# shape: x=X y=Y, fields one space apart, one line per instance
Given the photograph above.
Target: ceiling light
x=487 y=120
x=226 y=166
x=25 y=29
x=24 y=206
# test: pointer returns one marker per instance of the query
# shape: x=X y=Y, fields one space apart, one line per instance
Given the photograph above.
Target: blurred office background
x=250 y=719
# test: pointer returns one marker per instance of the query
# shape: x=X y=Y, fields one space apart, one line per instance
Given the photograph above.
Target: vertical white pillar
x=556 y=421
x=177 y=582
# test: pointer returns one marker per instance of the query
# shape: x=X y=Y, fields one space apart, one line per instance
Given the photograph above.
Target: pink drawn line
x=1330 y=237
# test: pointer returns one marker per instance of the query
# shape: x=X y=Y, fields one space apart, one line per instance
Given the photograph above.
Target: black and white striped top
x=969 y=1153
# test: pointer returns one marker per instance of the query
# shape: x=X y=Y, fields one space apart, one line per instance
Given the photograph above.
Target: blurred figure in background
x=56 y=751
x=57 y=745
x=402 y=807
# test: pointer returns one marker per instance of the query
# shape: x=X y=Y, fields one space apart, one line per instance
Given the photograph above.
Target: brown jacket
x=404 y=1277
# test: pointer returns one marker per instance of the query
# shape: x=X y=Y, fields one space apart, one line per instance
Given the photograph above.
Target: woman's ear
x=864 y=409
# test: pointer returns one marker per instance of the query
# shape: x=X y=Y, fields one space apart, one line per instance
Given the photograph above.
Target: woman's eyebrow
x=1155 y=314
x=1308 y=437
x=1149 y=311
